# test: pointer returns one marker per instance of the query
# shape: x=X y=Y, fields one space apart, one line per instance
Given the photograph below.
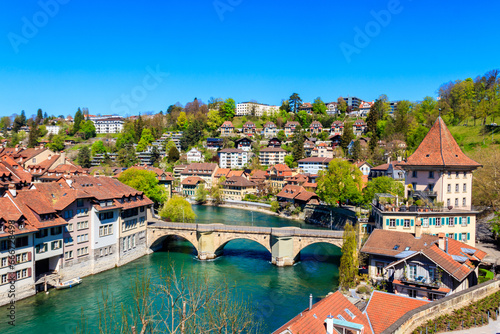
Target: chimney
x=388 y=159
x=48 y=158
x=310 y=301
x=418 y=229
x=446 y=245
x=12 y=190
x=441 y=241
x=329 y=324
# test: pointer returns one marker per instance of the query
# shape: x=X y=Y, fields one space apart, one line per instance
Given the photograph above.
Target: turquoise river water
x=277 y=294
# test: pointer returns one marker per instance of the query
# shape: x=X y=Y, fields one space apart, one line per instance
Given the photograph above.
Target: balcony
x=421 y=281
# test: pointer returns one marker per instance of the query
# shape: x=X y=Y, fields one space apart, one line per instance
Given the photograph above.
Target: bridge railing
x=250 y=229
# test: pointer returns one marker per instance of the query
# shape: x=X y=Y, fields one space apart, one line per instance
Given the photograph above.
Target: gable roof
x=238 y=181
x=439 y=148
x=384 y=309
x=313 y=321
x=192 y=180
x=383 y=242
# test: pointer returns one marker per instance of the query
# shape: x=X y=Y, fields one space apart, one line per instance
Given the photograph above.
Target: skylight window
x=341 y=317
x=396 y=247
x=407 y=248
x=349 y=313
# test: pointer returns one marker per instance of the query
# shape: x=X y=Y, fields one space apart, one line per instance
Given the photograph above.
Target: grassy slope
x=473 y=137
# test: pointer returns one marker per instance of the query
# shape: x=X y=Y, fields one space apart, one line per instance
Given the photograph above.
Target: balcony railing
x=420 y=281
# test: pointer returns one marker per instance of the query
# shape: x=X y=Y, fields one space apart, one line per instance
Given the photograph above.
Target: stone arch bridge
x=284 y=243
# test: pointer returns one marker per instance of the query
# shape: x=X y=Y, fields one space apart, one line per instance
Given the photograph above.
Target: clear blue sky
x=94 y=53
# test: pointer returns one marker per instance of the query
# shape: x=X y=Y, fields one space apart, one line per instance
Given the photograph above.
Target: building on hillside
x=237 y=187
x=255 y=109
x=290 y=127
x=313 y=165
x=178 y=170
x=274 y=142
x=337 y=128
x=364 y=167
x=206 y=171
x=249 y=128
x=112 y=124
x=233 y=158
x=391 y=169
x=422 y=266
x=272 y=155
x=277 y=175
x=215 y=143
x=190 y=184
x=53 y=129
x=315 y=128
x=363 y=142
x=194 y=155
x=269 y=130
x=40 y=169
x=364 y=108
x=244 y=144
x=308 y=148
x=165 y=179
x=439 y=183
x=226 y=129
x=359 y=127
x=307 y=107
x=258 y=177
x=353 y=102
x=322 y=150
x=332 y=108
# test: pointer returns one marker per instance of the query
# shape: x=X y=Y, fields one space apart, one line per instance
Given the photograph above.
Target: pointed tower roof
x=439 y=148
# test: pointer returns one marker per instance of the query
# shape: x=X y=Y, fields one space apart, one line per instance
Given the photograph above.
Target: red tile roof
x=238 y=181
x=192 y=180
x=439 y=148
x=384 y=309
x=313 y=321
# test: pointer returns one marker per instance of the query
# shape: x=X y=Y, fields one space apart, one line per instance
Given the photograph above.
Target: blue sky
x=100 y=54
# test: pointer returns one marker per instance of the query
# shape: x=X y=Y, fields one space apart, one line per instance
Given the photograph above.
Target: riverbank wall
x=334 y=218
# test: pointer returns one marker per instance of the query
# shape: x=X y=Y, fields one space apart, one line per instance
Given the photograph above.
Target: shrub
x=364 y=289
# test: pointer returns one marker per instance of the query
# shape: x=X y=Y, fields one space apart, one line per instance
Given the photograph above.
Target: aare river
x=277 y=294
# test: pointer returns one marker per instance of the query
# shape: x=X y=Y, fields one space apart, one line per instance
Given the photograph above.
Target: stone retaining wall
x=421 y=315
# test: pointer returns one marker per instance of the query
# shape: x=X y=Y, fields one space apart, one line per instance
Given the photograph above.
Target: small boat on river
x=68 y=284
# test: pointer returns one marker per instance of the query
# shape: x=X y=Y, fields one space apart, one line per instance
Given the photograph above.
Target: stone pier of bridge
x=284 y=244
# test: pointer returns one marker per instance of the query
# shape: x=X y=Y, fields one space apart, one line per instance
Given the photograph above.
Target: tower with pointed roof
x=438 y=191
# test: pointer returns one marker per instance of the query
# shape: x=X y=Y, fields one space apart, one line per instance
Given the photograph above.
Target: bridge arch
x=301 y=243
x=159 y=236
x=224 y=238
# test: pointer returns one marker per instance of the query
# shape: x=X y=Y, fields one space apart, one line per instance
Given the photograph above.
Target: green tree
x=281 y=135
x=341 y=105
x=178 y=209
x=319 y=107
x=347 y=137
x=126 y=156
x=84 y=157
x=216 y=192
x=356 y=151
x=146 y=139
x=382 y=185
x=340 y=183
x=98 y=147
x=214 y=119
x=88 y=130
x=200 y=195
x=145 y=181
x=138 y=127
x=290 y=161
x=294 y=101
x=77 y=120
x=192 y=135
x=57 y=143
x=228 y=109
x=34 y=135
x=298 y=148
x=348 y=269
x=304 y=119
x=125 y=139
x=182 y=120
x=173 y=154
x=285 y=106
x=39 y=116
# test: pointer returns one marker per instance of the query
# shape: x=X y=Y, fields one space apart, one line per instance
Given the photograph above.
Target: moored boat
x=68 y=284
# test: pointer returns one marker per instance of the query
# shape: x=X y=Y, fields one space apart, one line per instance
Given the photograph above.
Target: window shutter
x=455 y=220
x=468 y=220
x=397 y=222
x=447 y=220
x=12 y=277
x=387 y=222
x=412 y=222
x=456 y=237
x=460 y=220
x=29 y=256
x=29 y=271
x=468 y=236
x=459 y=236
x=433 y=221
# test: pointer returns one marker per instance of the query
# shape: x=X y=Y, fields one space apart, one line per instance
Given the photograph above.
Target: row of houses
x=269 y=129
x=71 y=227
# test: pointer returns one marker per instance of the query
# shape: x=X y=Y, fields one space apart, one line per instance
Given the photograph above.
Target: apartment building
x=315 y=128
x=313 y=165
x=255 y=109
x=290 y=127
x=237 y=187
x=269 y=130
x=226 y=129
x=337 y=128
x=205 y=171
x=233 y=158
x=359 y=127
x=249 y=128
x=111 y=124
x=272 y=155
x=194 y=155
x=277 y=175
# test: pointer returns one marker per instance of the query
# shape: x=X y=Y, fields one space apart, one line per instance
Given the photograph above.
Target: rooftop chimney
x=418 y=229
x=446 y=239
x=12 y=190
x=329 y=324
x=441 y=241
x=310 y=301
x=389 y=159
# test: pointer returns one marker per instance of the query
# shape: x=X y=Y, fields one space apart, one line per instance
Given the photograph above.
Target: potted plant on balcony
x=419 y=204
x=438 y=206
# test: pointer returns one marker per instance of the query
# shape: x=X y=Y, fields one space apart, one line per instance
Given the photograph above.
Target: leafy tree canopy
x=178 y=209
x=145 y=181
x=340 y=183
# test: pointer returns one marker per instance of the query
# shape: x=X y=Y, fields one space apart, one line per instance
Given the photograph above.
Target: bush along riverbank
x=475 y=315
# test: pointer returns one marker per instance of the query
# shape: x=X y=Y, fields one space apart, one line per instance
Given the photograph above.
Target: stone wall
x=325 y=216
x=421 y=315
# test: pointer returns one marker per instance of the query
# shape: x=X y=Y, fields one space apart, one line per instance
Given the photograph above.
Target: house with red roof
x=277 y=175
x=315 y=128
x=337 y=128
x=190 y=184
x=307 y=107
x=290 y=127
x=438 y=187
x=297 y=195
x=237 y=187
x=424 y=266
x=269 y=130
x=249 y=128
x=359 y=127
x=226 y=129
